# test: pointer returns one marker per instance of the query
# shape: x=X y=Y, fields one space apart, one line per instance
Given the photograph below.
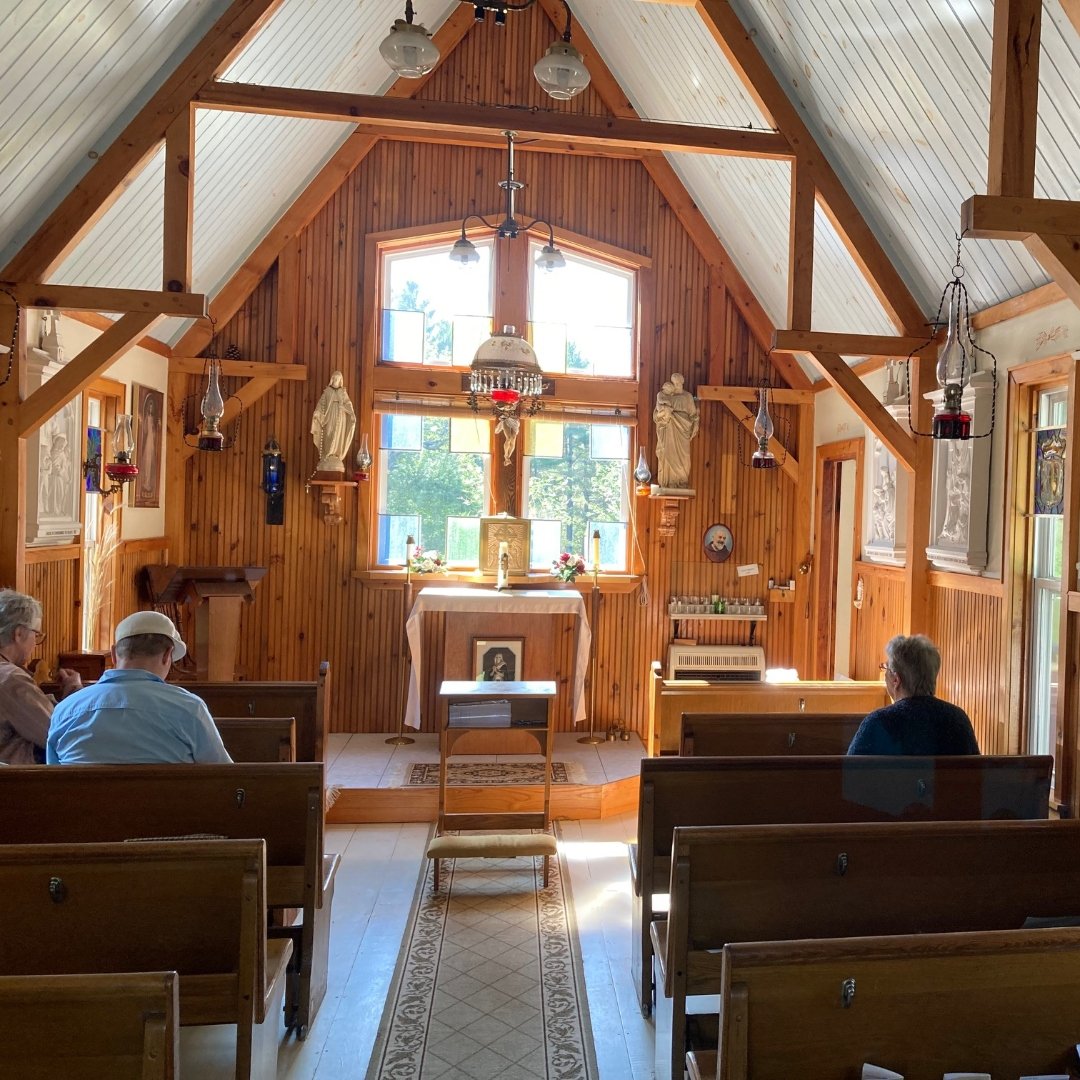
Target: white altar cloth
x=508 y=602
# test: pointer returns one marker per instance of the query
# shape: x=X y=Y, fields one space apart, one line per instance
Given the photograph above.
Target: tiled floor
x=375 y=887
x=366 y=761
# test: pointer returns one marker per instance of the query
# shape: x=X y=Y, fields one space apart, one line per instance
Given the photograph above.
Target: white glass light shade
x=952 y=366
x=212 y=406
x=550 y=258
x=505 y=368
x=464 y=252
x=409 y=50
x=561 y=72
x=123 y=440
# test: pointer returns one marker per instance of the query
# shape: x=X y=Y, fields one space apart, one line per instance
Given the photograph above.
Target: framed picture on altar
x=515 y=533
x=498 y=659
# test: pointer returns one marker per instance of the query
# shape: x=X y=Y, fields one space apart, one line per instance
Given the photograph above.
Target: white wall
x=139 y=366
x=1050 y=331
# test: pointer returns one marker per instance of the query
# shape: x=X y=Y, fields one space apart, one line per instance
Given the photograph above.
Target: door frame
x=830 y=456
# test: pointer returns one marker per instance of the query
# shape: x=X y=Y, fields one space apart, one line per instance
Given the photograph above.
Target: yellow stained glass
x=546 y=439
x=469 y=435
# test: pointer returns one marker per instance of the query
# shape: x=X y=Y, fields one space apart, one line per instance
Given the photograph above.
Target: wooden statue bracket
x=331 y=489
x=669 y=499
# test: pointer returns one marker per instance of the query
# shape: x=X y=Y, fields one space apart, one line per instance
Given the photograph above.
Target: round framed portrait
x=717 y=543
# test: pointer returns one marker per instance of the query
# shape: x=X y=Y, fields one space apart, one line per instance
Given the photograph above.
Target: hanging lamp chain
x=14 y=335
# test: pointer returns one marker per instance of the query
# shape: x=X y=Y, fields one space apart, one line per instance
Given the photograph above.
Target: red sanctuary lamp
x=505 y=371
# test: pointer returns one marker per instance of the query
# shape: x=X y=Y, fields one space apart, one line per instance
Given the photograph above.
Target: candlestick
x=596 y=552
x=410 y=550
x=502 y=580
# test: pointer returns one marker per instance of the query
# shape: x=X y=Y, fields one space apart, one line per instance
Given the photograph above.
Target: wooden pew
x=279 y=803
x=90 y=1027
x=258 y=738
x=198 y=907
x=670 y=698
x=778 y=882
x=781 y=790
x=766 y=735
x=308 y=702
x=1004 y=1003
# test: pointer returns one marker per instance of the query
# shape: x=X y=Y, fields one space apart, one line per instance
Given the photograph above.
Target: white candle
x=504 y=565
x=596 y=550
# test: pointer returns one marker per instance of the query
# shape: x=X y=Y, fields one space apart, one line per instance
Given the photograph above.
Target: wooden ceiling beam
x=497 y=142
x=859 y=396
x=103 y=322
x=1014 y=97
x=801 y=248
x=179 y=208
x=810 y=341
x=1059 y=256
x=749 y=64
x=1072 y=10
x=425 y=114
x=196 y=365
x=82 y=370
x=229 y=299
x=98 y=189
x=1001 y=217
x=90 y=298
x=779 y=394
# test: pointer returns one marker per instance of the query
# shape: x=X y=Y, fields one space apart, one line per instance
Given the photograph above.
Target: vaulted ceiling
x=895 y=92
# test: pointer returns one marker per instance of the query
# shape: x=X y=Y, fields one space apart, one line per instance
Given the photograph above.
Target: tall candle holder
x=592 y=739
x=401 y=739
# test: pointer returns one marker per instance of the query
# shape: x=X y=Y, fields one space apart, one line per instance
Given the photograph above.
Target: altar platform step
x=368 y=779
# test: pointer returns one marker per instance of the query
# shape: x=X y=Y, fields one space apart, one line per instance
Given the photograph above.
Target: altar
x=540 y=633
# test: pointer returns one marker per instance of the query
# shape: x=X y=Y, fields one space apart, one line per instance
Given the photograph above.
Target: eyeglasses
x=39 y=635
x=884 y=668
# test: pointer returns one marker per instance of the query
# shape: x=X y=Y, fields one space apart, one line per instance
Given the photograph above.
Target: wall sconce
x=273 y=482
x=363 y=461
x=121 y=470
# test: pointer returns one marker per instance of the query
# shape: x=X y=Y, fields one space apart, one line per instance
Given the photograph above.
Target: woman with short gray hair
x=25 y=711
x=917 y=722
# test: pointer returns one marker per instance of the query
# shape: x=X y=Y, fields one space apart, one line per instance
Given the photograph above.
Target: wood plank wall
x=54 y=583
x=310 y=607
x=967 y=626
x=880 y=617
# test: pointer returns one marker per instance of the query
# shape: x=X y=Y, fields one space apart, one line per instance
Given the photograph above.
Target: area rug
x=489 y=982
x=484 y=773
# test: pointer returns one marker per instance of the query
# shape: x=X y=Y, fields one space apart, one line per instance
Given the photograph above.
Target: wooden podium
x=215 y=595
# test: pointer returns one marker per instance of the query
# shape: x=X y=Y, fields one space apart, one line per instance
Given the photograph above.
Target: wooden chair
x=782 y=790
x=308 y=702
x=198 y=907
x=279 y=803
x=1004 y=1003
x=258 y=738
x=775 y=882
x=90 y=1027
x=766 y=735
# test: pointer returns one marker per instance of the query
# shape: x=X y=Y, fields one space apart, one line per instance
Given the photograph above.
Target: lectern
x=215 y=595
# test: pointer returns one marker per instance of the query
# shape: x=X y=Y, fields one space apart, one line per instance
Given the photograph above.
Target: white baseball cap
x=151 y=622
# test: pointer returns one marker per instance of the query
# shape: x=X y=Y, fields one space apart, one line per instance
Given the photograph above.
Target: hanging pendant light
x=763 y=457
x=505 y=372
x=561 y=71
x=408 y=48
x=956 y=365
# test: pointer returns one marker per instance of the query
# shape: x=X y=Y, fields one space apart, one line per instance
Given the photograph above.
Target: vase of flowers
x=427 y=562
x=567 y=567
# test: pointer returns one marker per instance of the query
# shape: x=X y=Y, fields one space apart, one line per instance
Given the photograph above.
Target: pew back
x=196 y=906
x=258 y=738
x=767 y=735
x=781 y=790
x=308 y=702
x=1004 y=1003
x=90 y=1027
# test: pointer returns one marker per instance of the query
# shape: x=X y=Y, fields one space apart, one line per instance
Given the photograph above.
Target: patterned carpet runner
x=483 y=773
x=489 y=982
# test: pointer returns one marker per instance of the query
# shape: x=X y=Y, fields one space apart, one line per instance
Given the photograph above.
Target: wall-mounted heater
x=717 y=663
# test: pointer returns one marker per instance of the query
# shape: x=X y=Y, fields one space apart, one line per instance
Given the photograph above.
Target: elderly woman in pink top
x=24 y=710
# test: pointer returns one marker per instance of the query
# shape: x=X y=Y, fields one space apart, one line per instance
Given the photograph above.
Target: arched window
x=439 y=466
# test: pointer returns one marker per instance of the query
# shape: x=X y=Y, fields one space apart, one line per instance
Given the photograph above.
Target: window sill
x=394 y=579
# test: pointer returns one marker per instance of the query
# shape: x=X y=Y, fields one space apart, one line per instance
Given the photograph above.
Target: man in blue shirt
x=916 y=723
x=131 y=715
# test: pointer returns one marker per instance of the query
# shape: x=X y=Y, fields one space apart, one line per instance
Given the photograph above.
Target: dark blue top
x=919 y=726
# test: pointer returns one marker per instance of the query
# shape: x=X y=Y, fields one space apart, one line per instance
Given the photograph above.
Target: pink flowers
x=567 y=567
x=427 y=562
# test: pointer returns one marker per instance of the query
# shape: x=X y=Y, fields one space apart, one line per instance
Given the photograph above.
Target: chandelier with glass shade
x=411 y=54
